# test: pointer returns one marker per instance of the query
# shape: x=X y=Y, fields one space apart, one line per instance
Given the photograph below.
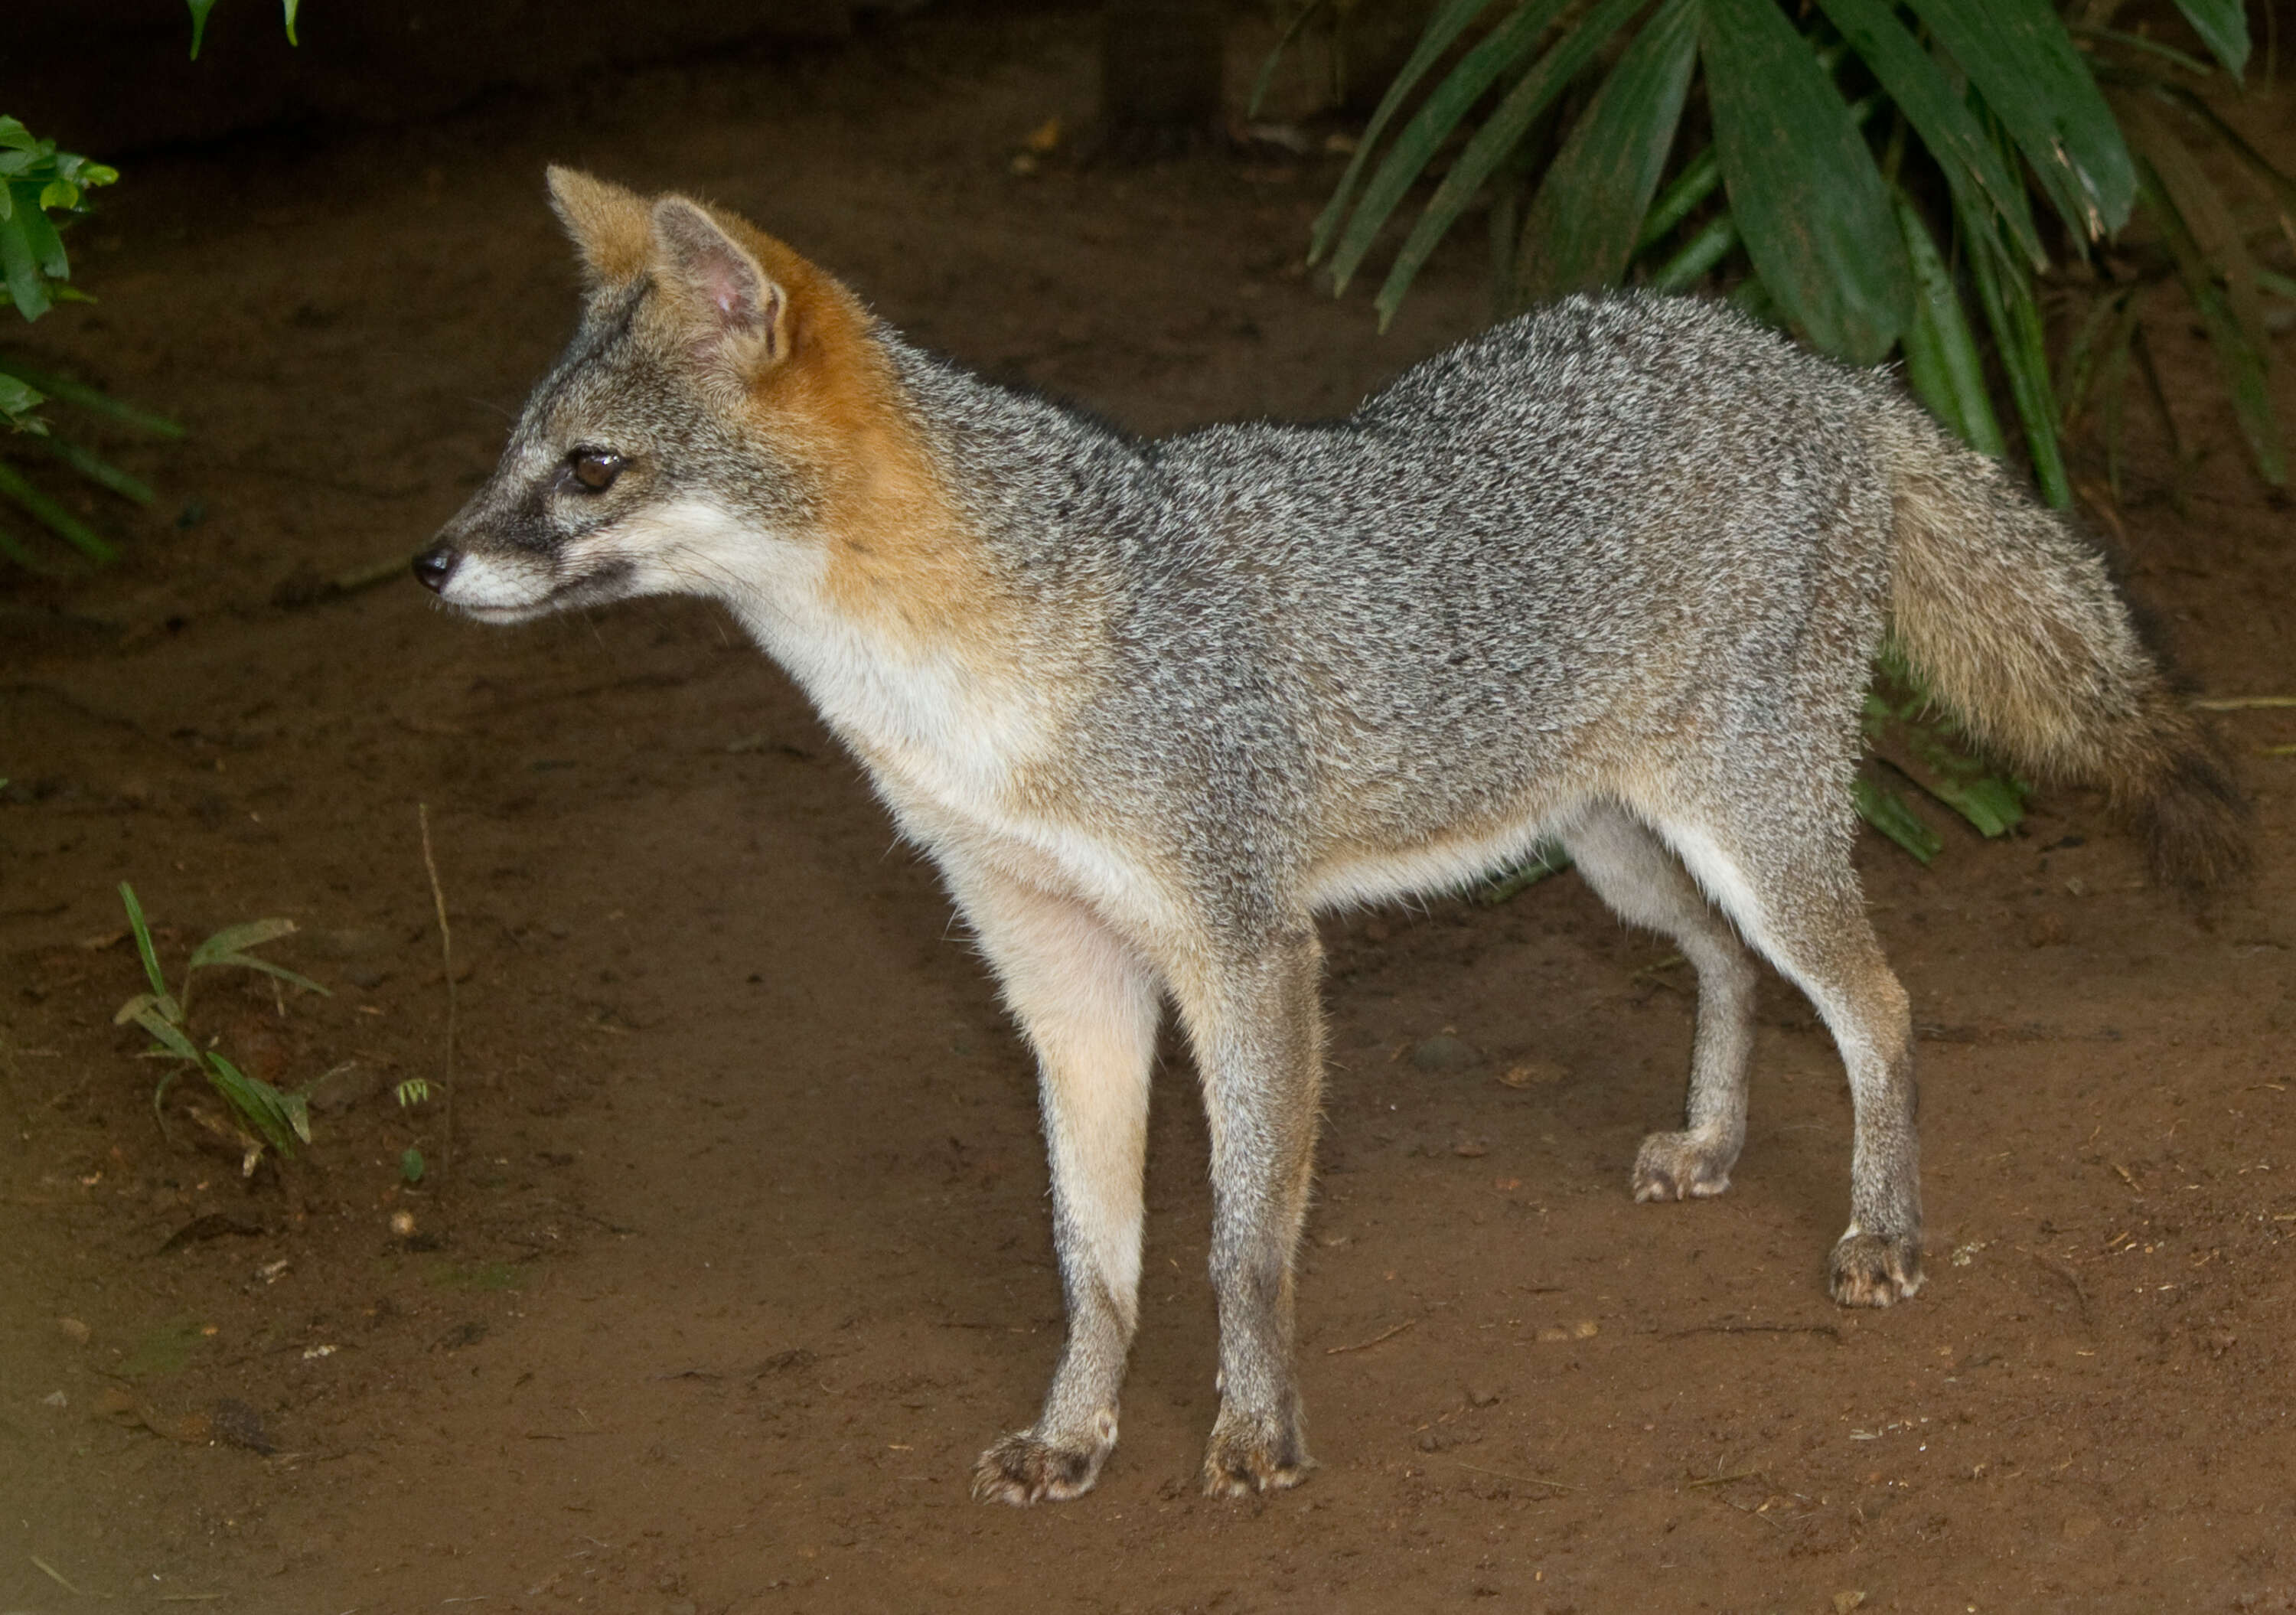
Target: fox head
x=722 y=415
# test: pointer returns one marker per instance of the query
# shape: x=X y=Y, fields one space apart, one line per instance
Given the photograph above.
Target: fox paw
x=1874 y=1269
x=1024 y=1468
x=1676 y=1166
x=1255 y=1455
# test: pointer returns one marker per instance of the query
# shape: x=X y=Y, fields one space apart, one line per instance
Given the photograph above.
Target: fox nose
x=435 y=565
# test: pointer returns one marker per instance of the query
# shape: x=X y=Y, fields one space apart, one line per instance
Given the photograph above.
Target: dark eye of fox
x=594 y=469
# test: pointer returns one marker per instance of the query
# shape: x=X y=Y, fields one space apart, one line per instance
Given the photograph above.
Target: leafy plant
x=267 y=1115
x=37 y=180
x=1882 y=175
x=1867 y=173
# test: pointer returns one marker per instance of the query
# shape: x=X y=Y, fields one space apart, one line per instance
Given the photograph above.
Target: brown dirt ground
x=739 y=1250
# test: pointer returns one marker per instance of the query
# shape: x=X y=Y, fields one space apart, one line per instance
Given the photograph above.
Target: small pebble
x=402 y=1223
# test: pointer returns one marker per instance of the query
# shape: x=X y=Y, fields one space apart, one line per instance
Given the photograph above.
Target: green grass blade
x=1446 y=107
x=2223 y=27
x=1497 y=140
x=2276 y=178
x=1942 y=362
x=2025 y=65
x=1260 y=85
x=1890 y=813
x=1938 y=114
x=1803 y=187
x=1450 y=20
x=2201 y=207
x=142 y=940
x=250 y=962
x=1588 y=212
x=2098 y=345
x=98 y=470
x=200 y=10
x=262 y=1107
x=2240 y=362
x=1712 y=244
x=165 y=1033
x=1696 y=182
x=2006 y=295
x=234 y=939
x=54 y=517
x=81 y=394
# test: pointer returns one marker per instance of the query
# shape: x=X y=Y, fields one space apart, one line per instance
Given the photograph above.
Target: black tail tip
x=2196 y=823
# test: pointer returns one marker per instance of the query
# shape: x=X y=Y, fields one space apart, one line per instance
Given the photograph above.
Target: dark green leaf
x=411 y=1164
x=17 y=397
x=58 y=520
x=1449 y=22
x=47 y=247
x=1497 y=140
x=2223 y=26
x=1889 y=813
x=14 y=135
x=93 y=466
x=200 y=10
x=1942 y=363
x=1804 y=189
x=2023 y=62
x=1598 y=189
x=1547 y=858
x=1938 y=112
x=84 y=396
x=20 y=267
x=1446 y=106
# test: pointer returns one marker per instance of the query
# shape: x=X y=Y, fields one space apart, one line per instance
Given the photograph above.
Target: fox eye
x=594 y=469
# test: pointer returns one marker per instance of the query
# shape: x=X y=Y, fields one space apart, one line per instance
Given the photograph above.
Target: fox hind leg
x=1090 y=1004
x=1797 y=900
x=1631 y=870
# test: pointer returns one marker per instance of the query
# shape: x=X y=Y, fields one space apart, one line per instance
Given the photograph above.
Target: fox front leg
x=1089 y=1005
x=1257 y=1032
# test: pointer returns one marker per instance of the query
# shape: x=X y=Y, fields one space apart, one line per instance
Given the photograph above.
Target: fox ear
x=609 y=226
x=743 y=313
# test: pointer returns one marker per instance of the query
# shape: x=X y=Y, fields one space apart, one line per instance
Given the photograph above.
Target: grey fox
x=1612 y=572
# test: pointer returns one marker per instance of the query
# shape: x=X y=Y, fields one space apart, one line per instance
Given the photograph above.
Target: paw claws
x=1678 y=1166
x=1023 y=1468
x=1255 y=1456
x=1875 y=1270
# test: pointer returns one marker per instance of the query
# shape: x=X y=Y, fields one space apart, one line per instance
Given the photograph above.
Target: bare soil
x=734 y=1250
